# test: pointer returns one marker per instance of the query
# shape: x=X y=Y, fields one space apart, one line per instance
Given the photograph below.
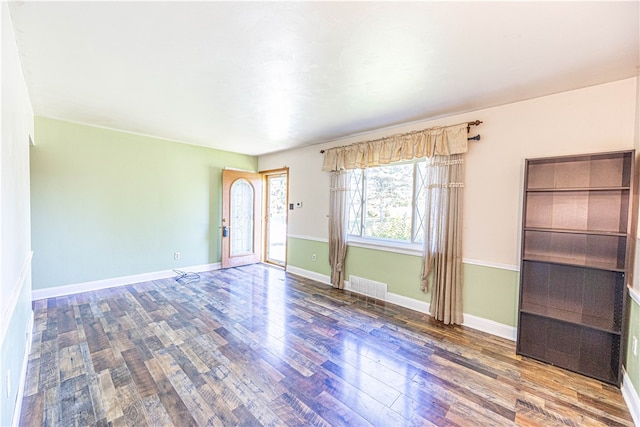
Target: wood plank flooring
x=257 y=346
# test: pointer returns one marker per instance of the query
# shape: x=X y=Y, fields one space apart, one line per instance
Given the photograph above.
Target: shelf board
x=574 y=189
x=574 y=262
x=579 y=319
x=571 y=231
x=609 y=377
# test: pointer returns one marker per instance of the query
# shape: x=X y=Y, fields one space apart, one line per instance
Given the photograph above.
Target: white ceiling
x=258 y=77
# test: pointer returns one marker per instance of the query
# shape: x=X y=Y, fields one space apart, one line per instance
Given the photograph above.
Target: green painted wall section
x=109 y=204
x=300 y=251
x=632 y=364
x=490 y=293
x=400 y=272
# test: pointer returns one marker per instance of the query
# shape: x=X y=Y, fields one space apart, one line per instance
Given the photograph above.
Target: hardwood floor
x=257 y=346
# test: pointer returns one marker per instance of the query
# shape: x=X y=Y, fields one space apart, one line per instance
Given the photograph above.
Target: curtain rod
x=469 y=124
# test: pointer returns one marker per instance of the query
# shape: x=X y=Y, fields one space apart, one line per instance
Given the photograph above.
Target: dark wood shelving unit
x=575 y=260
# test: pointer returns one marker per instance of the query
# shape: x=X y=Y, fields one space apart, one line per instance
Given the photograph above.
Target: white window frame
x=390 y=245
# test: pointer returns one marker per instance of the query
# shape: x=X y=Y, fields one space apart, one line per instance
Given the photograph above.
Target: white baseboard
x=318 y=277
x=474 y=322
x=23 y=374
x=631 y=398
x=490 y=326
x=470 y=321
x=116 y=281
x=413 y=304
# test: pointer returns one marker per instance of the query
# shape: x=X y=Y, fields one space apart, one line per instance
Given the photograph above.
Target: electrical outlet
x=314 y=257
x=634 y=346
x=176 y=255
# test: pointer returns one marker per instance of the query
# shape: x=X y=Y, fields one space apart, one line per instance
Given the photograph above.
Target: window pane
x=355 y=202
x=241 y=205
x=389 y=194
x=421 y=176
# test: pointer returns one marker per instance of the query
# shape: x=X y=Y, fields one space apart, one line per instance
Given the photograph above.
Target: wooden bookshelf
x=575 y=258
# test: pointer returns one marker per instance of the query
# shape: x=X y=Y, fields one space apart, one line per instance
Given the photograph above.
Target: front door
x=241 y=218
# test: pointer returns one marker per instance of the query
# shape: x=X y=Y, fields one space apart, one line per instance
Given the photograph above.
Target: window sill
x=382 y=245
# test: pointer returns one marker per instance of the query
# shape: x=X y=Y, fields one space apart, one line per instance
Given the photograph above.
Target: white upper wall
x=594 y=119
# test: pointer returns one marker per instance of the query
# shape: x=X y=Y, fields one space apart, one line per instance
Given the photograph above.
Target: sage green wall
x=632 y=364
x=109 y=204
x=300 y=251
x=490 y=293
x=400 y=272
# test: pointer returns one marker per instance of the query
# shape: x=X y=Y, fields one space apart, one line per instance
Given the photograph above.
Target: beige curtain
x=338 y=218
x=442 y=263
x=441 y=141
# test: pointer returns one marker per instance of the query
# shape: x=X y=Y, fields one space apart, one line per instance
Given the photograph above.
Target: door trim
x=265 y=173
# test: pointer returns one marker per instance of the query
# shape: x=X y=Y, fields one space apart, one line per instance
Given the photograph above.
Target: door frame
x=265 y=174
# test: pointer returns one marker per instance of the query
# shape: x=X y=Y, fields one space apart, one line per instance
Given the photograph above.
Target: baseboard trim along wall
x=95 y=285
x=318 y=277
x=23 y=374
x=630 y=397
x=471 y=321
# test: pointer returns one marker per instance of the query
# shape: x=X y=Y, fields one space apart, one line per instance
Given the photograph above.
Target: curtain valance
x=440 y=141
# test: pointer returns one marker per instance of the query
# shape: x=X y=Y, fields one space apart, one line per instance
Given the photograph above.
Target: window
x=387 y=203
